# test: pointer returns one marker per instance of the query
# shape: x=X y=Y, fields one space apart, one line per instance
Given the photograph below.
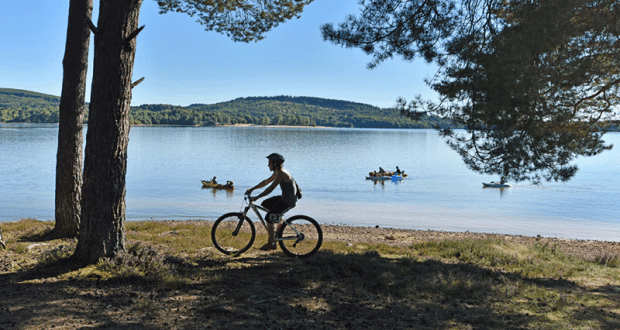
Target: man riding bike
x=277 y=205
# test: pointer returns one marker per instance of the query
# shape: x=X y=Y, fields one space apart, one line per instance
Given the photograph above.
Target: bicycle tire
x=310 y=242
x=223 y=238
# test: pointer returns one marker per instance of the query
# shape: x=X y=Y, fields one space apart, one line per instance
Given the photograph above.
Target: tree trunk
x=71 y=121
x=105 y=162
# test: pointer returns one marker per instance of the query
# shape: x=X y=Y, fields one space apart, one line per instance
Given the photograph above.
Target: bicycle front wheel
x=232 y=233
x=300 y=236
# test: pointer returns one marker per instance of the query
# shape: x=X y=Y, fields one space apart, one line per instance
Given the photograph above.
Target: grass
x=175 y=279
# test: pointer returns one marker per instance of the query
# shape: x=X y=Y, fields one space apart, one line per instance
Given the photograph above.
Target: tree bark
x=105 y=163
x=71 y=121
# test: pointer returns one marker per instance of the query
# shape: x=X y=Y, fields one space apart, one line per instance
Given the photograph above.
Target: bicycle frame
x=299 y=236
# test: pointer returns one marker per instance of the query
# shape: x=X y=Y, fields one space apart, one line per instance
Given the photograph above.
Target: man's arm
x=276 y=178
x=261 y=184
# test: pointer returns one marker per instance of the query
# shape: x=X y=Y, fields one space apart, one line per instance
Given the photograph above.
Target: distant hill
x=279 y=110
x=26 y=106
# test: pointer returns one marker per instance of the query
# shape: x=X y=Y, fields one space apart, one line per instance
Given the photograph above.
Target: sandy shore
x=588 y=249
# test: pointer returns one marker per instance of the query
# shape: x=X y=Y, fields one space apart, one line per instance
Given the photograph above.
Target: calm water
x=166 y=165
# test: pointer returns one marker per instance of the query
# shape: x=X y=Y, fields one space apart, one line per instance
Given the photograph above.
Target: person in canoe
x=398 y=172
x=381 y=171
x=229 y=184
x=214 y=180
x=277 y=205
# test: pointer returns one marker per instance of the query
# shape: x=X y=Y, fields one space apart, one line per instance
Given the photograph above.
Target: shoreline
x=587 y=249
x=358 y=235
x=377 y=234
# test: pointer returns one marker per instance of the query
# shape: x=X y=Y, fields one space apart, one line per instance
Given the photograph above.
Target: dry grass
x=362 y=278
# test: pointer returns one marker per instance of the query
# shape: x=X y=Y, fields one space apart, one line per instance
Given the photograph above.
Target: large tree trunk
x=105 y=162
x=71 y=121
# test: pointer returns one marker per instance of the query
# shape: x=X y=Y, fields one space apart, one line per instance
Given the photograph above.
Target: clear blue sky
x=184 y=64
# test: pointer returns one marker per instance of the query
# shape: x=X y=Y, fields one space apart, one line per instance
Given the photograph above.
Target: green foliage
x=534 y=102
x=278 y=110
x=393 y=27
x=608 y=260
x=29 y=107
x=138 y=262
x=57 y=253
x=534 y=82
x=240 y=20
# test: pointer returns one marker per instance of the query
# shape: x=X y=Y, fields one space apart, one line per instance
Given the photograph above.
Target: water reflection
x=501 y=189
x=216 y=191
x=383 y=182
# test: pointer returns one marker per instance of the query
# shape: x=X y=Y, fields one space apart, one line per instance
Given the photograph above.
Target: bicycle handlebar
x=246 y=197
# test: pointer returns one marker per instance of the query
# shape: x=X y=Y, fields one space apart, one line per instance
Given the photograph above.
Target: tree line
x=30 y=107
x=19 y=106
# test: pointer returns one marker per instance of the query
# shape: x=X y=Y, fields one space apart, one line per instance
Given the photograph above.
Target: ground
x=267 y=290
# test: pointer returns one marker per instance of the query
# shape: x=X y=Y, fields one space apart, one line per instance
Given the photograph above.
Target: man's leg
x=271 y=240
x=275 y=210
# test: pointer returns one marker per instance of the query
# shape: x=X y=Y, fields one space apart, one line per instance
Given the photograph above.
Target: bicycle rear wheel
x=300 y=236
x=232 y=234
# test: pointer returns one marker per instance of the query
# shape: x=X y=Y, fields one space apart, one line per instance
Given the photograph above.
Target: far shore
x=283 y=126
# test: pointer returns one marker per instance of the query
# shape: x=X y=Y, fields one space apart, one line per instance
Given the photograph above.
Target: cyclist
x=277 y=205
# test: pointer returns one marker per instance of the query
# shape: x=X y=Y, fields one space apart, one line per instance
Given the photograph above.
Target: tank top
x=289 y=191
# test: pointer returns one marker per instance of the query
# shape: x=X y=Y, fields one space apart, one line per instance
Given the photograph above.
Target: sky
x=183 y=64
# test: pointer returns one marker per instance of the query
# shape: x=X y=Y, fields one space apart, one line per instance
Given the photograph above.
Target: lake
x=166 y=164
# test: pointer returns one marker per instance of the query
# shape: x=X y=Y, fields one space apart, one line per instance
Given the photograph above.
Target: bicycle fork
x=240 y=223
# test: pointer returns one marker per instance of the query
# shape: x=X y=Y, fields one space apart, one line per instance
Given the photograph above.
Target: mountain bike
x=233 y=233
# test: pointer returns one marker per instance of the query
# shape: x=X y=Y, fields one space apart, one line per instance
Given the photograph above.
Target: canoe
x=494 y=184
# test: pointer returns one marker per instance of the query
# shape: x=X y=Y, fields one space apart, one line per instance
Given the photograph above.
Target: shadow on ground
x=327 y=291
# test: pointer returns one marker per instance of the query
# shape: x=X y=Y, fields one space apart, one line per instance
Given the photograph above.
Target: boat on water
x=385 y=178
x=209 y=184
x=494 y=184
x=386 y=175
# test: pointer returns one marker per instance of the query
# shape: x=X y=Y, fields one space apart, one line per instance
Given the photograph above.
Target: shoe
x=268 y=247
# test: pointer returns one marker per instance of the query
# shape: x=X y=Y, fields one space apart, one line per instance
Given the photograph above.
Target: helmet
x=275 y=157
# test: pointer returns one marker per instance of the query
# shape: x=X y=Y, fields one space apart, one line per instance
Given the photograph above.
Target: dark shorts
x=276 y=206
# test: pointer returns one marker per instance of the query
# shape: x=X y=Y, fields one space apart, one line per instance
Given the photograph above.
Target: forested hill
x=279 y=110
x=31 y=107
x=26 y=106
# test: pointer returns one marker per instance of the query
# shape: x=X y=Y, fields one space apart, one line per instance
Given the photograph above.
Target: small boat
x=385 y=177
x=223 y=186
x=494 y=184
x=378 y=178
x=209 y=184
